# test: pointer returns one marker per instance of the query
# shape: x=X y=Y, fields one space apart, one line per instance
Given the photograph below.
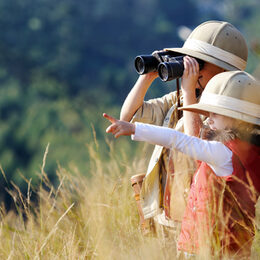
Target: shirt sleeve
x=215 y=154
x=154 y=110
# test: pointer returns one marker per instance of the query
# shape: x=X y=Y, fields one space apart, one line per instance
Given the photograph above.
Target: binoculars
x=168 y=64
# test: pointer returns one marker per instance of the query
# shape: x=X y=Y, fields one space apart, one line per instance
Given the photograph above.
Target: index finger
x=110 y=118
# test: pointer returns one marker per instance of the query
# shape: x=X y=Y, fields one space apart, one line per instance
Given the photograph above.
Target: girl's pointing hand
x=119 y=127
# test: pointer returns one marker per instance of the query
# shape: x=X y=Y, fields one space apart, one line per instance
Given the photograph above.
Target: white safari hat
x=234 y=94
x=216 y=42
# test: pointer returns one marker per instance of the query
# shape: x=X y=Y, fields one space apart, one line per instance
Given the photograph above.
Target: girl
x=221 y=205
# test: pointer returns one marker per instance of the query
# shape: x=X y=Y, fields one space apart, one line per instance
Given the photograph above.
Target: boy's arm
x=192 y=121
x=136 y=96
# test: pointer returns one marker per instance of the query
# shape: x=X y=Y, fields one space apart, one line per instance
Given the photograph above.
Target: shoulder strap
x=178 y=98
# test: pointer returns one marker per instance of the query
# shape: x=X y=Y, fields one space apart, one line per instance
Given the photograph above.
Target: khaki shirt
x=163 y=111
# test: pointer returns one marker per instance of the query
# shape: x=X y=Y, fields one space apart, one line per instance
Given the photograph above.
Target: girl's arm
x=214 y=153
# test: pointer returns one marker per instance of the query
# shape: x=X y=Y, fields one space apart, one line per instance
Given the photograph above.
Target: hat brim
x=204 y=57
x=204 y=109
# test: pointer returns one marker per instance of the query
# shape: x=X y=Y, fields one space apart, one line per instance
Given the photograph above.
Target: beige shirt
x=163 y=112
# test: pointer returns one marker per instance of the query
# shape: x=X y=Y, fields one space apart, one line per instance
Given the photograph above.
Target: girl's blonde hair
x=245 y=131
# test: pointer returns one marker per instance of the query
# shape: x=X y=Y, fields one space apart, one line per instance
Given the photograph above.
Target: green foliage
x=64 y=62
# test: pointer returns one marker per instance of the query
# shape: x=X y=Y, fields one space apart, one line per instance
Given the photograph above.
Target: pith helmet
x=216 y=42
x=234 y=94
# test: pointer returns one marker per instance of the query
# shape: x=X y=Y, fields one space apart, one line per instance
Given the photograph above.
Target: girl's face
x=219 y=122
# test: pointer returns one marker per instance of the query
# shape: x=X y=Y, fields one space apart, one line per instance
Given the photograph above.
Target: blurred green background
x=64 y=62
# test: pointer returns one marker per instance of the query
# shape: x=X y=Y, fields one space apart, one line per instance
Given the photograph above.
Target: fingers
x=191 y=66
x=111 y=129
x=115 y=127
x=110 y=118
x=119 y=127
x=115 y=130
x=118 y=133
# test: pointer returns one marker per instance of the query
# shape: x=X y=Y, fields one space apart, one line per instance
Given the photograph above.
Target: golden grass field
x=83 y=217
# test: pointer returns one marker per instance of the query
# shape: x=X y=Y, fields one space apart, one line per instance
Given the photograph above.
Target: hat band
x=206 y=48
x=231 y=103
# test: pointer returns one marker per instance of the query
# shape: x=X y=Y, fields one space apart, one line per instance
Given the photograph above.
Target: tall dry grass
x=83 y=217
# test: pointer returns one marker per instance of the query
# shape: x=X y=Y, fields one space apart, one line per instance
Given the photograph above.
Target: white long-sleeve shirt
x=215 y=154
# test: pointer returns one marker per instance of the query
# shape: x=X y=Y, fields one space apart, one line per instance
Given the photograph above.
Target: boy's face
x=209 y=71
x=219 y=122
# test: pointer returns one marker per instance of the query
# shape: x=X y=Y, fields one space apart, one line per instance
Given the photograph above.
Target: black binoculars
x=168 y=64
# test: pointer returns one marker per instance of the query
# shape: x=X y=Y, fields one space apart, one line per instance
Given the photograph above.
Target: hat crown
x=218 y=43
x=222 y=35
x=234 y=94
x=235 y=84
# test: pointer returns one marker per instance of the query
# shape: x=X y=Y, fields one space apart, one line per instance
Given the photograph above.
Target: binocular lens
x=139 y=65
x=170 y=70
x=145 y=64
x=163 y=71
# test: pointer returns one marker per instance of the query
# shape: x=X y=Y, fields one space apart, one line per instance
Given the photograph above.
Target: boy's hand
x=190 y=75
x=119 y=127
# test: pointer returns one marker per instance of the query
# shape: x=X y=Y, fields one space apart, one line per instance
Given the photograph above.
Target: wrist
x=133 y=129
x=189 y=97
x=189 y=93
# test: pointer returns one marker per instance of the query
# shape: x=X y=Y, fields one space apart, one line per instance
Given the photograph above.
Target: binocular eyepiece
x=168 y=65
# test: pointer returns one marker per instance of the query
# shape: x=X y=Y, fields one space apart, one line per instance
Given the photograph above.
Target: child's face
x=219 y=122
